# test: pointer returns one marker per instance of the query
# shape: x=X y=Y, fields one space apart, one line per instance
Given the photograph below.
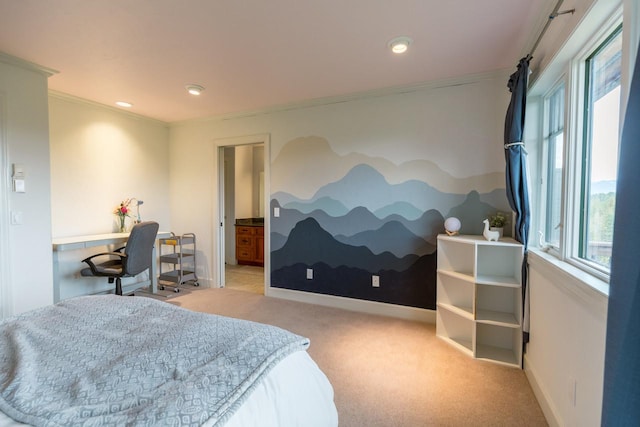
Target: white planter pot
x=498 y=229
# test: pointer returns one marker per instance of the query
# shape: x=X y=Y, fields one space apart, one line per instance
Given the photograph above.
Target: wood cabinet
x=250 y=245
x=479 y=307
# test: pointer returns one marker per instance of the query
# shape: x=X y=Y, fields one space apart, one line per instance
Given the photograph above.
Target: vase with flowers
x=122 y=212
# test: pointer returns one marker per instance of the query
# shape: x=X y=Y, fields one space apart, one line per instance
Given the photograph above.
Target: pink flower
x=123 y=209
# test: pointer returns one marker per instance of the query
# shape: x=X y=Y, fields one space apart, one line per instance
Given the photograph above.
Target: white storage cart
x=178 y=252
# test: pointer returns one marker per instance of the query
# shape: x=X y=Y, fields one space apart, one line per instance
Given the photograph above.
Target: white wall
x=257 y=186
x=565 y=357
x=244 y=181
x=25 y=131
x=459 y=122
x=230 y=205
x=99 y=157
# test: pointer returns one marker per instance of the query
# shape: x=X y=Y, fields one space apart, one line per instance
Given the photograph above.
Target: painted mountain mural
x=375 y=219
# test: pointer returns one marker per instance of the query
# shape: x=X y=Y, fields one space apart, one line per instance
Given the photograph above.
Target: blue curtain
x=515 y=154
x=621 y=400
x=516 y=172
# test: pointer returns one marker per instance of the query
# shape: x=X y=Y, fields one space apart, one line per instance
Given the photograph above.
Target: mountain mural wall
x=376 y=219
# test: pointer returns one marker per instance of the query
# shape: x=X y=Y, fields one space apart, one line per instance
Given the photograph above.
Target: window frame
x=574 y=79
x=587 y=148
x=546 y=177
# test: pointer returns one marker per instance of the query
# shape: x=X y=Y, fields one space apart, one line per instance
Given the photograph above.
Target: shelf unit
x=181 y=256
x=479 y=306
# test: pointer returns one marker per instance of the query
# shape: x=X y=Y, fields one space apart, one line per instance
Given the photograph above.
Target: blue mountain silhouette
x=393 y=237
x=326 y=204
x=365 y=186
x=358 y=220
x=308 y=244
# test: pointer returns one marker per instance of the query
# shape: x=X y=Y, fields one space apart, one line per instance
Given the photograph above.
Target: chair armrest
x=92 y=265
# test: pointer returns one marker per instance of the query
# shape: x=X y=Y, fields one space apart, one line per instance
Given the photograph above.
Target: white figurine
x=488 y=234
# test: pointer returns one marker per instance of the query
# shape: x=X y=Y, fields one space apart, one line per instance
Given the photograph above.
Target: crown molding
x=77 y=100
x=356 y=96
x=18 y=62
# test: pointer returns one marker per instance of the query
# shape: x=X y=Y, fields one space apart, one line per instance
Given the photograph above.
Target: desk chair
x=135 y=259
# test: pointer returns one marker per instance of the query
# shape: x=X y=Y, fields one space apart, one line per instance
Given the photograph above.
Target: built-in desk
x=83 y=242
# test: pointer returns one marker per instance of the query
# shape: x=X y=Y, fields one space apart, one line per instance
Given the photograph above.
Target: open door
x=232 y=180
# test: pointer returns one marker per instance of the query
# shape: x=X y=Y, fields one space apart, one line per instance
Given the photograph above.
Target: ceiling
x=255 y=54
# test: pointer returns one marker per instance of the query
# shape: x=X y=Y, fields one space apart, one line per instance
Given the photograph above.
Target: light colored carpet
x=167 y=292
x=385 y=371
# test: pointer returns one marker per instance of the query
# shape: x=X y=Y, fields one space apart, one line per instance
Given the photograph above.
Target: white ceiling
x=253 y=54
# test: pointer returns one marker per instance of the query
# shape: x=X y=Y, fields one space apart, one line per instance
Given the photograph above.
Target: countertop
x=250 y=222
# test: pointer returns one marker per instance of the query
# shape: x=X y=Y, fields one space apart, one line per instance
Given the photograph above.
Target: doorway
x=243 y=200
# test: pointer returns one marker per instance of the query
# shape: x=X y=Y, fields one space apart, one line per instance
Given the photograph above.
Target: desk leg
x=153 y=275
x=56 y=278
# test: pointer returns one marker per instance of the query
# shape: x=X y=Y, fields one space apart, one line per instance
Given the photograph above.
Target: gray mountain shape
x=473 y=211
x=365 y=186
x=358 y=220
x=327 y=204
x=404 y=209
x=392 y=237
x=327 y=249
x=286 y=164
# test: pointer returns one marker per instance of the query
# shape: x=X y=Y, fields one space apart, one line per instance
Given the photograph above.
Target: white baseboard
x=370 y=307
x=548 y=408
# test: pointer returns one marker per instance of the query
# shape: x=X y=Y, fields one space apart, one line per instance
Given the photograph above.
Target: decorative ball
x=452 y=226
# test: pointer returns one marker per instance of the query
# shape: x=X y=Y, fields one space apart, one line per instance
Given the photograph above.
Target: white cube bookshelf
x=479 y=307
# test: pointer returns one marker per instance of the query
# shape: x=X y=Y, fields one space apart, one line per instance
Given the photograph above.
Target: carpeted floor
x=385 y=371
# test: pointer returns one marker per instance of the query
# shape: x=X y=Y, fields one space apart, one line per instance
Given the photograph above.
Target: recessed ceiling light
x=400 y=44
x=194 y=89
x=124 y=104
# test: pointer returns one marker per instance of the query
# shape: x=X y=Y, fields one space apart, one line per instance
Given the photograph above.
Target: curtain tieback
x=513 y=144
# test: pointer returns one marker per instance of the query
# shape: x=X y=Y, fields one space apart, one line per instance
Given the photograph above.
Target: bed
x=108 y=360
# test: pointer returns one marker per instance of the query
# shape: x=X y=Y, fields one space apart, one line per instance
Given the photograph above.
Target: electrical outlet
x=309 y=273
x=375 y=281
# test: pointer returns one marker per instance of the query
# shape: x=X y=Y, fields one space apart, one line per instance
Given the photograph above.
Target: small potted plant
x=497 y=222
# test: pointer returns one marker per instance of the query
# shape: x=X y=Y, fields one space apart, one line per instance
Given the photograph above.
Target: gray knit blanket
x=116 y=361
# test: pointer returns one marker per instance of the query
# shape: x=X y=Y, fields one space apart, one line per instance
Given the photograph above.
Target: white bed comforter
x=135 y=361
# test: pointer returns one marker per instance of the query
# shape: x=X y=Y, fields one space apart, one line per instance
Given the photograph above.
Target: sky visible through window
x=603 y=159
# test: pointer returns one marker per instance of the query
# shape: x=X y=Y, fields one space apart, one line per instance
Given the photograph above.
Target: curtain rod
x=551 y=17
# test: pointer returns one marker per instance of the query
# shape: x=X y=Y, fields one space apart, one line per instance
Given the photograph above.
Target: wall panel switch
x=276 y=212
x=16 y=218
x=19 y=186
x=309 y=273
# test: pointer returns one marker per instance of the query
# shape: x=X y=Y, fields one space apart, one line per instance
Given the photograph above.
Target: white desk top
x=80 y=242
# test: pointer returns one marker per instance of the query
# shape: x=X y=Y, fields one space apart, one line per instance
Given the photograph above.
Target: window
x=580 y=157
x=600 y=151
x=554 y=142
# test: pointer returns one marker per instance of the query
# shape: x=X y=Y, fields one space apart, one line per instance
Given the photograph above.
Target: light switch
x=19 y=186
x=16 y=218
x=276 y=212
x=18 y=170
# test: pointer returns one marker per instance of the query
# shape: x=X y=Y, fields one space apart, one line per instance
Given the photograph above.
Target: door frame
x=218 y=223
x=6 y=297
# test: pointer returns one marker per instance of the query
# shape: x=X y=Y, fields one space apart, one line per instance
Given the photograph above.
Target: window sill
x=579 y=284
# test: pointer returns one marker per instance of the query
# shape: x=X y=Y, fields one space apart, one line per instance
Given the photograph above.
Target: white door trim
x=6 y=297
x=219 y=214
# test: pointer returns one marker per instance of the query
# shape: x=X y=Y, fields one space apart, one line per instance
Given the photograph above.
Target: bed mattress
x=110 y=360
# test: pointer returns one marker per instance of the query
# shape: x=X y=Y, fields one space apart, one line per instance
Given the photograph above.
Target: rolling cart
x=180 y=253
